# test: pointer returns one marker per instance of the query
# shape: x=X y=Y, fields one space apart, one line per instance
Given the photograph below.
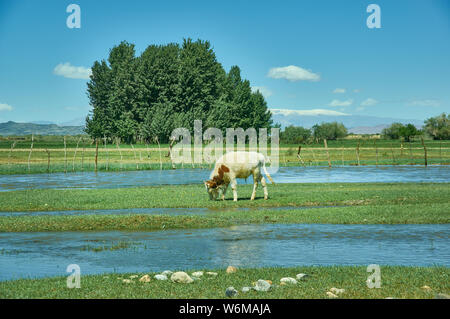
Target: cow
x=234 y=165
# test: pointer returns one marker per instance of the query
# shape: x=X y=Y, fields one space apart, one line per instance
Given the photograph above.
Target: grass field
x=360 y=203
x=396 y=282
x=49 y=155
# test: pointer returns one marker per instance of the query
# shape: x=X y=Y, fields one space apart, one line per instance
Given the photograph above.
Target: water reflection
x=48 y=254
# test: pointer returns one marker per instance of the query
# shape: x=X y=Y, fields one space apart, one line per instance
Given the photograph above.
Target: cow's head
x=213 y=185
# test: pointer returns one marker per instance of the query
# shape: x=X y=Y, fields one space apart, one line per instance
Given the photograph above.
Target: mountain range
x=358 y=124
x=13 y=128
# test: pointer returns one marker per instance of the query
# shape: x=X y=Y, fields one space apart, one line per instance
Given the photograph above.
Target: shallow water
x=344 y=174
x=151 y=211
x=32 y=255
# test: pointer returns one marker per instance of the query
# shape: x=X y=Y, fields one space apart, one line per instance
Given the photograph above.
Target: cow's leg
x=233 y=187
x=224 y=191
x=264 y=185
x=255 y=186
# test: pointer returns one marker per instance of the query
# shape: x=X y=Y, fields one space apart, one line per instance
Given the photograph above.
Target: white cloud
x=339 y=90
x=5 y=107
x=72 y=72
x=369 y=102
x=341 y=103
x=313 y=112
x=293 y=73
x=429 y=102
x=263 y=90
x=77 y=108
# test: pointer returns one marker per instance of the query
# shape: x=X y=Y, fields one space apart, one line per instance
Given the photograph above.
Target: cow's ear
x=224 y=168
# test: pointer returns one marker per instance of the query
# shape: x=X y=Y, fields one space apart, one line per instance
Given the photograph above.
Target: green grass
x=378 y=214
x=148 y=156
x=396 y=282
x=307 y=194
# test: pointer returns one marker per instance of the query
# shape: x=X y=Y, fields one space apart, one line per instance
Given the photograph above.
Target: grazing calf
x=234 y=165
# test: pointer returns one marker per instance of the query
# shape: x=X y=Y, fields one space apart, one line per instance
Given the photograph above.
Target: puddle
x=24 y=255
x=152 y=211
x=87 y=180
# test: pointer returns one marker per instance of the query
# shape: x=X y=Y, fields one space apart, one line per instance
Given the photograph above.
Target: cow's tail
x=265 y=170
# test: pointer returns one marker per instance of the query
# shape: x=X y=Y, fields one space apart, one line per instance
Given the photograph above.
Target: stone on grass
x=127 y=281
x=426 y=288
x=301 y=276
x=167 y=273
x=231 y=269
x=160 y=277
x=197 y=274
x=246 y=289
x=231 y=292
x=210 y=273
x=337 y=291
x=133 y=276
x=181 y=277
x=331 y=295
x=145 y=278
x=442 y=296
x=262 y=285
x=288 y=280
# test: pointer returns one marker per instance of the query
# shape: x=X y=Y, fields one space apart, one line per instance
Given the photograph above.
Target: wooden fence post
x=107 y=152
x=425 y=152
x=48 y=160
x=376 y=152
x=96 y=154
x=31 y=151
x=298 y=155
x=328 y=154
x=393 y=156
x=65 y=155
x=357 y=152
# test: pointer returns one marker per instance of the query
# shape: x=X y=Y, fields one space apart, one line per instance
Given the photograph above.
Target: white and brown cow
x=234 y=165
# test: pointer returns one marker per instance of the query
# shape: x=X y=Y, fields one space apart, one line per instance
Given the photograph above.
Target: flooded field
x=351 y=174
x=24 y=255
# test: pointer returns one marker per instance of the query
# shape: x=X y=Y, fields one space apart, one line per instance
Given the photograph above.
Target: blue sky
x=303 y=55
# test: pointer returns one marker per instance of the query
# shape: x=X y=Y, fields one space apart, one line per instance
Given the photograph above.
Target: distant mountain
x=358 y=124
x=368 y=129
x=79 y=121
x=13 y=128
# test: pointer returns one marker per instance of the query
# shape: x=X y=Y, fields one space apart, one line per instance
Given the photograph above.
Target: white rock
x=160 y=277
x=288 y=280
x=262 y=285
x=127 y=281
x=301 y=276
x=133 y=276
x=246 y=289
x=197 y=274
x=145 y=278
x=210 y=273
x=167 y=273
x=231 y=292
x=331 y=295
x=181 y=277
x=337 y=291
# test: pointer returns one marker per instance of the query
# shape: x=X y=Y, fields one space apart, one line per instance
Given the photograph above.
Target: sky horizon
x=308 y=57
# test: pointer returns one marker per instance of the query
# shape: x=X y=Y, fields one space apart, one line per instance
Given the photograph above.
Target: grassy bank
x=372 y=214
x=396 y=282
x=319 y=194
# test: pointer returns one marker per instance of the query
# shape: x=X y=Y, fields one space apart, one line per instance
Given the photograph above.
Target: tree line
x=437 y=127
x=137 y=98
